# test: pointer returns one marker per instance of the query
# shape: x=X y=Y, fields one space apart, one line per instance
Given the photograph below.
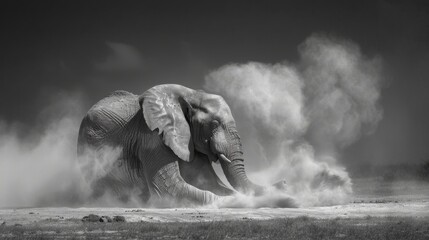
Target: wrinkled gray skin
x=169 y=136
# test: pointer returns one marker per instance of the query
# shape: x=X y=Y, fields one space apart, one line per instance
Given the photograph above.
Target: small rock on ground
x=105 y=219
x=91 y=218
x=119 y=219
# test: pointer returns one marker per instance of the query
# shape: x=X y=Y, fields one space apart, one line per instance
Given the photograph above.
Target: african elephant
x=169 y=137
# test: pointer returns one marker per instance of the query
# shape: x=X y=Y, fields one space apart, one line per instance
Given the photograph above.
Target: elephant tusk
x=224 y=158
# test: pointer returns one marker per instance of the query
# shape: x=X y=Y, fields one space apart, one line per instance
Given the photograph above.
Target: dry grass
x=289 y=228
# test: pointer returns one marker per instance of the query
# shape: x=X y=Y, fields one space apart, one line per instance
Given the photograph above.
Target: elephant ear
x=162 y=110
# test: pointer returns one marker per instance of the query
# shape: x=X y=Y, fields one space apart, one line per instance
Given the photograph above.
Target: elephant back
x=108 y=116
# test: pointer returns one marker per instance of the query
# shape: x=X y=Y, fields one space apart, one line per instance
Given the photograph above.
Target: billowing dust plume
x=38 y=164
x=295 y=118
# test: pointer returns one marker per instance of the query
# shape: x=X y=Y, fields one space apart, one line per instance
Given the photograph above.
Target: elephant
x=168 y=138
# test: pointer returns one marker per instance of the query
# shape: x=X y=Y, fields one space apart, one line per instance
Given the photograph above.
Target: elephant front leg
x=168 y=182
x=200 y=173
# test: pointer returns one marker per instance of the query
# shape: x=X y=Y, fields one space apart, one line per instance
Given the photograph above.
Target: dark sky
x=53 y=46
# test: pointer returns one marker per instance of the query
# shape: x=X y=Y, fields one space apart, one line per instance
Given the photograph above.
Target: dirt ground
x=354 y=210
x=372 y=198
x=377 y=207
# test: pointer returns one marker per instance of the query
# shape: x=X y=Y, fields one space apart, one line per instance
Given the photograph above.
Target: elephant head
x=193 y=121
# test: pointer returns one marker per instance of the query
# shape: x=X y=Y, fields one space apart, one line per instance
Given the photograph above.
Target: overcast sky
x=53 y=46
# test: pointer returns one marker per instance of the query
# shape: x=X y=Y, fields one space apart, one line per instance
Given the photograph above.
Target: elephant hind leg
x=121 y=183
x=112 y=189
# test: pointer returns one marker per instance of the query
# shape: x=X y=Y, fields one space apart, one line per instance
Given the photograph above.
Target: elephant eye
x=215 y=124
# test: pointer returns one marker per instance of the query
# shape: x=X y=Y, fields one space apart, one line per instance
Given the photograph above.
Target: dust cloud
x=295 y=118
x=38 y=164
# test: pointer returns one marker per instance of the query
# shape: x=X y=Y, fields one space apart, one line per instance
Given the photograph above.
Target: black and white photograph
x=214 y=119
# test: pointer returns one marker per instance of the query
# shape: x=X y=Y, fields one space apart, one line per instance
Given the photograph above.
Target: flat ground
x=379 y=209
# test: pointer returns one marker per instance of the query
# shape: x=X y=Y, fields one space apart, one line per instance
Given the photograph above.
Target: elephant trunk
x=236 y=175
x=226 y=144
